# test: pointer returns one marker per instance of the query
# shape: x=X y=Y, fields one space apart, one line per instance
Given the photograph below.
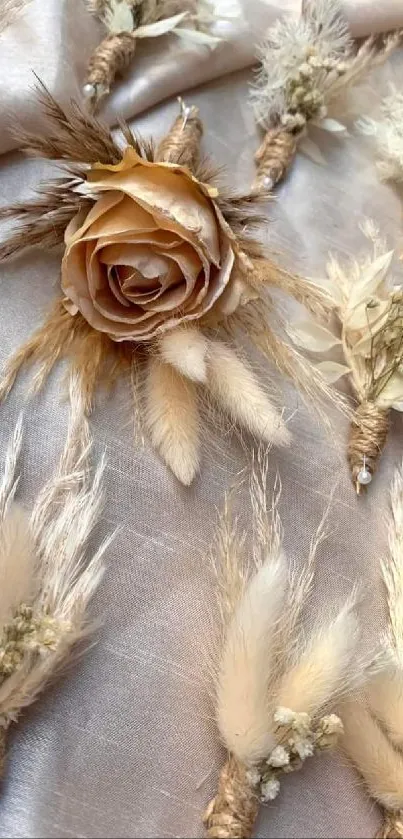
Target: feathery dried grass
x=54 y=615
x=43 y=220
x=93 y=356
x=262 y=643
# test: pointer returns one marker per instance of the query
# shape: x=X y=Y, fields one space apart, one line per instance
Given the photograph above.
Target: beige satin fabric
x=54 y=39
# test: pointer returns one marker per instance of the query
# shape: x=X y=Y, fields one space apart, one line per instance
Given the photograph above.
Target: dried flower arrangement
x=127 y=21
x=276 y=689
x=159 y=278
x=45 y=586
x=305 y=65
x=387 y=134
x=368 y=308
x=373 y=721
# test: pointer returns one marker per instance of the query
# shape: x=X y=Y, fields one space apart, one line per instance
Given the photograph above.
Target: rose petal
x=122 y=219
x=170 y=194
x=101 y=206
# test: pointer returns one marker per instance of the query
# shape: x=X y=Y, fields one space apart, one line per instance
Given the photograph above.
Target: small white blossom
x=270 y=789
x=303 y=748
x=279 y=757
x=253 y=776
x=302 y=723
x=284 y=716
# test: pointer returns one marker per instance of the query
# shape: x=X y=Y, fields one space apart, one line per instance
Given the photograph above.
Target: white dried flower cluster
x=369 y=308
x=388 y=136
x=299 y=737
x=306 y=63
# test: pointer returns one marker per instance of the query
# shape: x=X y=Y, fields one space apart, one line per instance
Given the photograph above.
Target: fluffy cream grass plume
x=172 y=419
x=274 y=692
x=387 y=135
x=44 y=614
x=377 y=760
x=325 y=668
x=246 y=669
x=374 y=720
x=187 y=357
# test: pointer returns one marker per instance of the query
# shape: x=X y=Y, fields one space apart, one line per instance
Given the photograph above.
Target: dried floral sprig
x=46 y=585
x=369 y=311
x=374 y=720
x=387 y=134
x=275 y=688
x=173 y=285
x=127 y=21
x=305 y=65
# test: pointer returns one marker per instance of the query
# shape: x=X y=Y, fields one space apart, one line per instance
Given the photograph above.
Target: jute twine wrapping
x=368 y=433
x=232 y=813
x=392 y=827
x=109 y=59
x=182 y=143
x=274 y=157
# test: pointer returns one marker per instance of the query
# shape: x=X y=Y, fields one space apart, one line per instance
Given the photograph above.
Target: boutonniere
x=307 y=64
x=161 y=279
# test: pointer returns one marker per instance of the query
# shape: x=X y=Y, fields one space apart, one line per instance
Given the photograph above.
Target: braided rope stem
x=232 y=813
x=368 y=434
x=109 y=60
x=274 y=157
x=182 y=143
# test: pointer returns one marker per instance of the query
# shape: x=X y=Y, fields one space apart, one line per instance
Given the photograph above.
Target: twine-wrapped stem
x=368 y=434
x=392 y=827
x=182 y=143
x=232 y=813
x=112 y=56
x=273 y=158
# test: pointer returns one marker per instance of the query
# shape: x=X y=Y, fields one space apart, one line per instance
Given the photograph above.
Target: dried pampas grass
x=306 y=64
x=276 y=689
x=374 y=720
x=45 y=584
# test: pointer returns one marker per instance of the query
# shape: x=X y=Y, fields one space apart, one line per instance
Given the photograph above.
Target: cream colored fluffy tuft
x=172 y=418
x=186 y=349
x=325 y=668
x=236 y=389
x=246 y=668
x=385 y=698
x=59 y=583
x=380 y=765
x=17 y=562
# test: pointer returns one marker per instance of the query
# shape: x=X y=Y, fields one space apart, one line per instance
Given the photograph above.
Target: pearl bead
x=268 y=182
x=89 y=91
x=364 y=476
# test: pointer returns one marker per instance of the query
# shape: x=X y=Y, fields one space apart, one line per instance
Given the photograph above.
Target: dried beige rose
x=153 y=252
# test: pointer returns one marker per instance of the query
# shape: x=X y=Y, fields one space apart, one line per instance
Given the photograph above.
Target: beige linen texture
x=125 y=745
